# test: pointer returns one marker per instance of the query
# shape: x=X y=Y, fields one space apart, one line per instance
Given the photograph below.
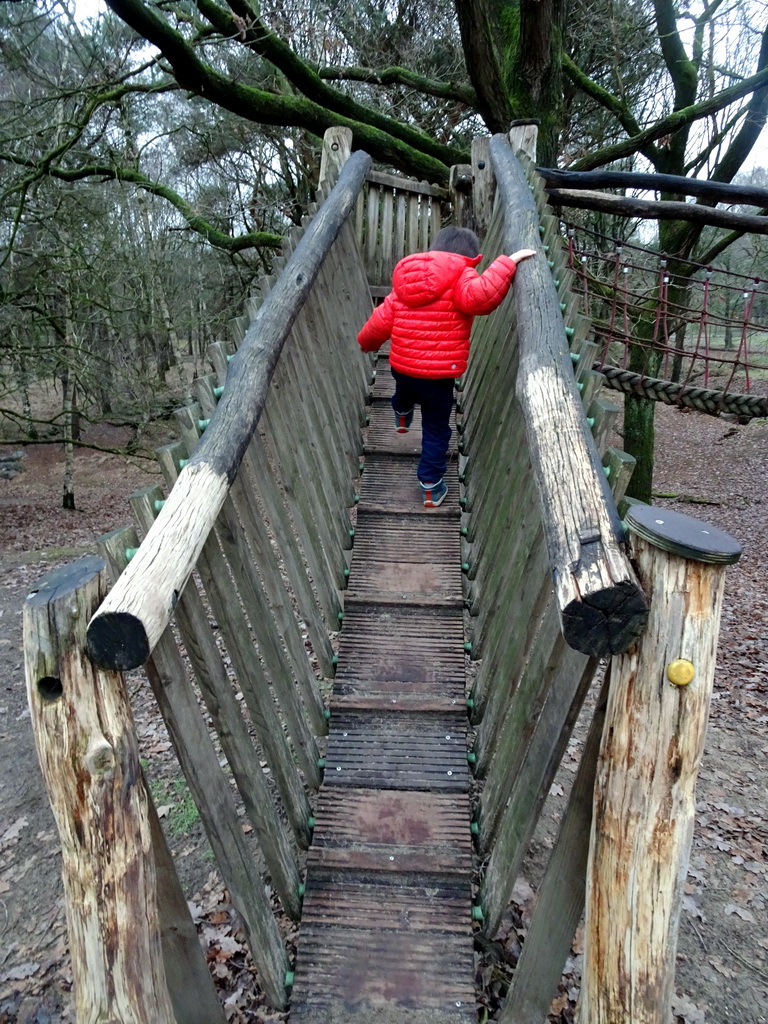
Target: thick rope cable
x=703 y=399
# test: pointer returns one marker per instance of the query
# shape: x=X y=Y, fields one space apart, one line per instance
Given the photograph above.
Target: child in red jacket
x=428 y=315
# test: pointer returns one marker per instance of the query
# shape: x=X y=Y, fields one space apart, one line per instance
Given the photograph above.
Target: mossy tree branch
x=254 y=104
x=673 y=122
x=105 y=172
x=402 y=76
x=248 y=27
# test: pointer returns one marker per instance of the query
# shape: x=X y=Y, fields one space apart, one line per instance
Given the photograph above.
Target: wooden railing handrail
x=602 y=607
x=422 y=188
x=126 y=627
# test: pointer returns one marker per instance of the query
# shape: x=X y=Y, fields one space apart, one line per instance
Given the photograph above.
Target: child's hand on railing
x=522 y=254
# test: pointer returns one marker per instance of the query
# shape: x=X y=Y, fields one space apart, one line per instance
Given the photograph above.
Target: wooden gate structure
x=410 y=678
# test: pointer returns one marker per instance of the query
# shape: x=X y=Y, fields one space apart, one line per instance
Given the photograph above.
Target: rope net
x=704 y=328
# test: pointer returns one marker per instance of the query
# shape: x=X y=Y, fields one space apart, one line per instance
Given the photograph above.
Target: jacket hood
x=424 y=276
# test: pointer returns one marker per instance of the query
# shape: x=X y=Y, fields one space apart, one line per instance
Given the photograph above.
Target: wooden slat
x=386 y=930
x=390 y=482
x=383 y=437
x=393 y=695
x=415 y=964
x=392 y=831
x=406 y=558
x=383 y=642
x=405 y=751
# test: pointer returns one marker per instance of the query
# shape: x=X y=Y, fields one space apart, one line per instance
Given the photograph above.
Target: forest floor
x=717 y=470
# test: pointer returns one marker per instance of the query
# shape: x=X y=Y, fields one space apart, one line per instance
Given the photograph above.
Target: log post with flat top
x=601 y=605
x=653 y=739
x=89 y=756
x=127 y=626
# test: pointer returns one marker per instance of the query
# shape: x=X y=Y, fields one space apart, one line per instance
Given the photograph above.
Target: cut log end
x=607 y=622
x=117 y=641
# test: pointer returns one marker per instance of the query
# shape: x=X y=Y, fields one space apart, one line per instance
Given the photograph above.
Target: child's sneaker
x=434 y=494
x=403 y=421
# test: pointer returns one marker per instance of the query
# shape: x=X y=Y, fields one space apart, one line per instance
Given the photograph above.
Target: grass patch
x=175 y=805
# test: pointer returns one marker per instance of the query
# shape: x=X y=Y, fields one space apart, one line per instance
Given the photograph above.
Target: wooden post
x=460 y=189
x=337 y=149
x=644 y=802
x=89 y=755
x=523 y=136
x=483 y=186
x=124 y=631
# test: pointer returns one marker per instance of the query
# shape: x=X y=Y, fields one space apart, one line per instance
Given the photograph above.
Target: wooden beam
x=720 y=191
x=125 y=629
x=601 y=604
x=626 y=206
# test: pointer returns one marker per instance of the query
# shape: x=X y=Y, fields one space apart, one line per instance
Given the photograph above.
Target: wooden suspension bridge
x=470 y=636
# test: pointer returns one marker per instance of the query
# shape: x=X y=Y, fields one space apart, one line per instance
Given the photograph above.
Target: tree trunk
x=537 y=86
x=648 y=358
x=513 y=51
x=639 y=440
x=26 y=405
x=67 y=401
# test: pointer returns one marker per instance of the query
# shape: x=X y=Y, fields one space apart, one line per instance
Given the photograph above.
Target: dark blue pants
x=435 y=396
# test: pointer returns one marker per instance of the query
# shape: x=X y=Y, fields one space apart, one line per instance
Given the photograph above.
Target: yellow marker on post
x=680 y=672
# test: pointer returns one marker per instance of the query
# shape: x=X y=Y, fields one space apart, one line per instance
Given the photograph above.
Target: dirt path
x=723 y=954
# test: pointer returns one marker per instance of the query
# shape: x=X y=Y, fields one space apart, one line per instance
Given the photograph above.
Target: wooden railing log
x=602 y=607
x=653 y=740
x=628 y=206
x=139 y=606
x=720 y=191
x=88 y=752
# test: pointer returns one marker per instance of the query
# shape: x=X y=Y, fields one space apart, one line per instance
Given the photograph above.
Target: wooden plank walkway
x=386 y=931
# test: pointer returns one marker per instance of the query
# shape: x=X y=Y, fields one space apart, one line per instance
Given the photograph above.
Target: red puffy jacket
x=429 y=312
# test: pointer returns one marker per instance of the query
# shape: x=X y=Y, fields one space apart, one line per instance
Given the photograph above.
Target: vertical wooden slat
x=424 y=222
x=412 y=228
x=401 y=210
x=387 y=241
x=372 y=234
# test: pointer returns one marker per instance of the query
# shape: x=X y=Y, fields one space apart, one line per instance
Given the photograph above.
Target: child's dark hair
x=459 y=240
